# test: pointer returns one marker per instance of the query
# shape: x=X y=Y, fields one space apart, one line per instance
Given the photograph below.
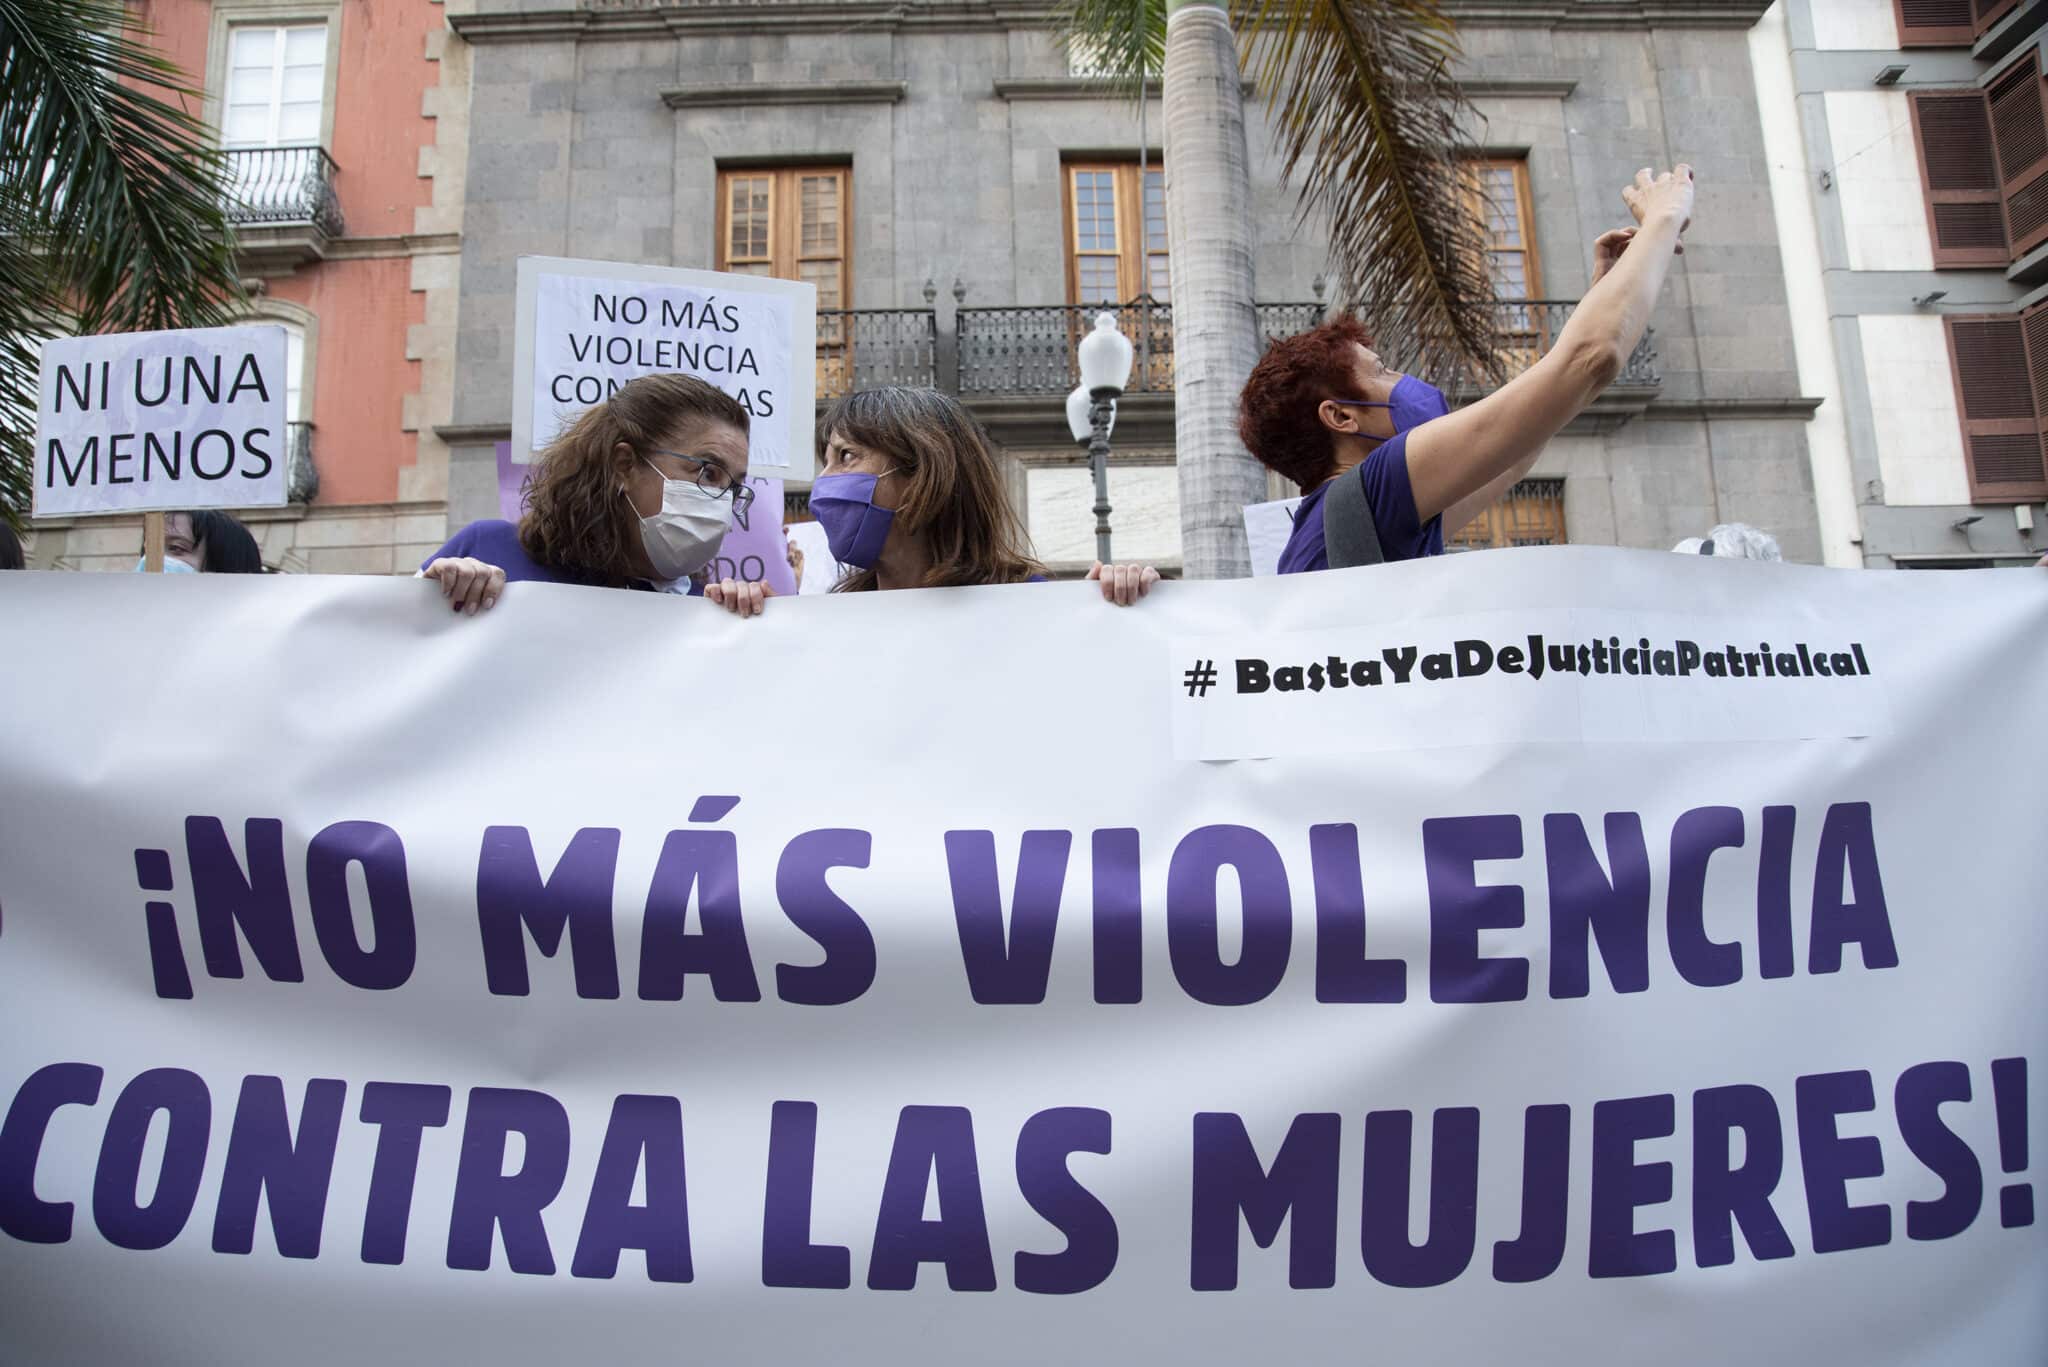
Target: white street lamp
x=1105 y=365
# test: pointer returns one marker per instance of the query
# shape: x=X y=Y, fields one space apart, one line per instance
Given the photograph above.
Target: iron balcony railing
x=1031 y=350
x=863 y=348
x=274 y=185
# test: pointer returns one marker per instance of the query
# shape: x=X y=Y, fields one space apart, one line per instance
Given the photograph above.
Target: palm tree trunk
x=1209 y=227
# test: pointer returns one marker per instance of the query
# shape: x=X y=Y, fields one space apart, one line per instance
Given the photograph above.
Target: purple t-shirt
x=1403 y=536
x=496 y=542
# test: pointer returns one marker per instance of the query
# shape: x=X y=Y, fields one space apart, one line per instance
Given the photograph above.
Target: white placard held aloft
x=1266 y=529
x=136 y=421
x=584 y=328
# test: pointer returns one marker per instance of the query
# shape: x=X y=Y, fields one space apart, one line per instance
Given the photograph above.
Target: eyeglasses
x=717 y=481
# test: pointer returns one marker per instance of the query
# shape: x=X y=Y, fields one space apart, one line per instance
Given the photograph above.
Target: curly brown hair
x=956 y=499
x=1276 y=415
x=578 y=521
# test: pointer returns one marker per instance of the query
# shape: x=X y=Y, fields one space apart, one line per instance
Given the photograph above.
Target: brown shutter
x=2002 y=451
x=1990 y=12
x=2020 y=129
x=1952 y=130
x=1935 y=23
x=2034 y=331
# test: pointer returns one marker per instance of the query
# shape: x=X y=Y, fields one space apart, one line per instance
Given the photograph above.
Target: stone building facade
x=971 y=172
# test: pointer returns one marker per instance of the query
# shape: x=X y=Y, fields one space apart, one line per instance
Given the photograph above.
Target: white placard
x=584 y=328
x=131 y=421
x=1266 y=529
x=821 y=571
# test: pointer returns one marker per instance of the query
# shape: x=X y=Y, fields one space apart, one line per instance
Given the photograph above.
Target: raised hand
x=1661 y=196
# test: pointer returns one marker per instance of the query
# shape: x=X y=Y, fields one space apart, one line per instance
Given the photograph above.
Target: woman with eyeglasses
x=636 y=494
x=911 y=496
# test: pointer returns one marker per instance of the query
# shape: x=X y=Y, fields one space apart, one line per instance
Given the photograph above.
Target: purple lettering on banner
x=1725 y=1194
x=758 y=552
x=511 y=482
x=1921 y=1092
x=709 y=862
x=400 y=1111
x=1300 y=1189
x=934 y=1145
x=488 y=1199
x=848 y=969
x=1621 y=1184
x=1446 y=1250
x=1343 y=972
x=1191 y=915
x=1774 y=894
x=1587 y=907
x=1043 y=1179
x=513 y=901
x=1459 y=908
x=1695 y=836
x=1830 y=1159
x=1538 y=1250
x=644 y=1131
x=377 y=848
x=184 y=1100
x=1848 y=846
x=265 y=1163
x=258 y=905
x=1119 y=917
x=23 y=1214
x=1007 y=967
x=788 y=1257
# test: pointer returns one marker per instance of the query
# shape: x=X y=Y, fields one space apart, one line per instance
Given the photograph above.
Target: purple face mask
x=1410 y=405
x=855 y=528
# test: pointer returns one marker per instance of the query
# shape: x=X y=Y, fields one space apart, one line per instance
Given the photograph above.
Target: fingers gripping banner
x=1553 y=955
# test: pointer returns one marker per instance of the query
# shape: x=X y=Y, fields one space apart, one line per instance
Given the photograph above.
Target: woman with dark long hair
x=911 y=496
x=637 y=493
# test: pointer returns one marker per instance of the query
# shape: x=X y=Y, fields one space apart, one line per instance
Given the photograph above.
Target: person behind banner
x=1733 y=541
x=911 y=496
x=1322 y=405
x=636 y=494
x=208 y=541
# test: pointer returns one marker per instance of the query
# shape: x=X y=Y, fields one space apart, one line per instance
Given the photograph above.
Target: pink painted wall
x=360 y=375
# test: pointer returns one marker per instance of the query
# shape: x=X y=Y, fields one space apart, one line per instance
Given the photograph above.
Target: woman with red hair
x=1323 y=405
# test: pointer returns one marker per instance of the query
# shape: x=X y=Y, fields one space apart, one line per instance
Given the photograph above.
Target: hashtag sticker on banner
x=1201 y=678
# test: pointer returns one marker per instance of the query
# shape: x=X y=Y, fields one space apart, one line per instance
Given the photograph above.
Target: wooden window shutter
x=1990 y=12
x=1965 y=212
x=1935 y=23
x=2034 y=332
x=2019 y=127
x=2002 y=451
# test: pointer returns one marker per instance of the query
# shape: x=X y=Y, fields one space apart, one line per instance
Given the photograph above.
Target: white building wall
x=1913 y=405
x=1877 y=179
x=1854 y=25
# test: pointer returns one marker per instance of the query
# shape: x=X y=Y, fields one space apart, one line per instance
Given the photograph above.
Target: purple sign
x=511 y=478
x=758 y=552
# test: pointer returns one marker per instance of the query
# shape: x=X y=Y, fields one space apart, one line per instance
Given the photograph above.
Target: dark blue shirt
x=1403 y=535
x=496 y=542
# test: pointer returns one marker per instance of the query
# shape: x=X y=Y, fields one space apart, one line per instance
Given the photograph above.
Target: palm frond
x=1371 y=119
x=113 y=198
x=1118 y=40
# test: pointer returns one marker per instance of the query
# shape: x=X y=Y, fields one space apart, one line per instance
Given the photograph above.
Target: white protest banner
x=426 y=997
x=583 y=328
x=132 y=421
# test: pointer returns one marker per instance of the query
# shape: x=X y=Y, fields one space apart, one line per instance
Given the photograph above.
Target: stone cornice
x=1798 y=408
x=746 y=95
x=1074 y=88
x=1511 y=88
x=1633 y=14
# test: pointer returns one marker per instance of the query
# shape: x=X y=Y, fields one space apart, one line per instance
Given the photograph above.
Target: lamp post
x=1105 y=363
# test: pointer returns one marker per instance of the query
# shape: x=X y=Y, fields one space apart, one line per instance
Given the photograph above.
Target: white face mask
x=684 y=535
